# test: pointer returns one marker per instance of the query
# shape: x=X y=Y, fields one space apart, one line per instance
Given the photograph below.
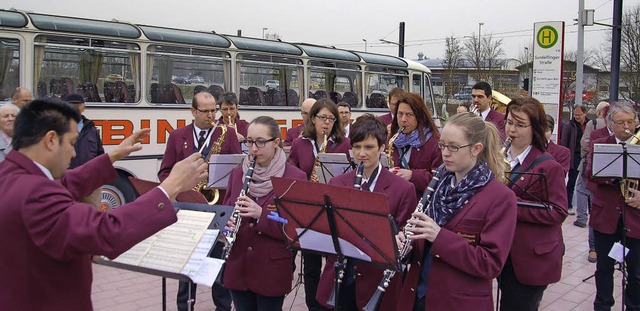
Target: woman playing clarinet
x=463 y=238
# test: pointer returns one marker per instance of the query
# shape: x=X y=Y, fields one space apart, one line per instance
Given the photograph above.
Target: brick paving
x=121 y=290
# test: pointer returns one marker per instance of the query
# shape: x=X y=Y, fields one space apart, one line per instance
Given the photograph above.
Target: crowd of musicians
x=492 y=188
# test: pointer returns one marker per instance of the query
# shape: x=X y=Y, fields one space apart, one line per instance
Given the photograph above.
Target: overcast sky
x=346 y=23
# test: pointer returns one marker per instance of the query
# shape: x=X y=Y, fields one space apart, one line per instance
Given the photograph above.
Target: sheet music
x=200 y=253
x=607 y=160
x=170 y=249
x=332 y=164
x=220 y=167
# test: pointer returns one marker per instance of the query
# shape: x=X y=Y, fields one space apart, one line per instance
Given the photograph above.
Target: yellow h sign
x=547 y=37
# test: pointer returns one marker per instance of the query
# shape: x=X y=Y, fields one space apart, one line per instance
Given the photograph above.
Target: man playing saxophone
x=201 y=135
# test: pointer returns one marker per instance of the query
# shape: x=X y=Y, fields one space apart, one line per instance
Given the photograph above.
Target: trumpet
x=390 y=147
x=626 y=182
x=423 y=205
x=233 y=233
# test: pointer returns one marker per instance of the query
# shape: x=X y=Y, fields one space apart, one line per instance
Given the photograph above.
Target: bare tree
x=630 y=53
x=473 y=53
x=492 y=52
x=452 y=60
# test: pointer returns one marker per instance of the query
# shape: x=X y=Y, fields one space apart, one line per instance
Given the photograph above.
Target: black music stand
x=222 y=215
x=331 y=165
x=538 y=184
x=331 y=220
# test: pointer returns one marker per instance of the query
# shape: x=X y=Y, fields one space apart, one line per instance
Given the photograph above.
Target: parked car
x=196 y=79
x=272 y=84
x=462 y=96
x=181 y=80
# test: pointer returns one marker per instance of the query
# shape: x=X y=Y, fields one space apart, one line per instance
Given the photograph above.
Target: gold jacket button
x=249 y=249
x=437 y=256
x=161 y=206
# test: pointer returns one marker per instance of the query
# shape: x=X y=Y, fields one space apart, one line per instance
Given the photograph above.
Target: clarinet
x=423 y=205
x=357 y=184
x=233 y=233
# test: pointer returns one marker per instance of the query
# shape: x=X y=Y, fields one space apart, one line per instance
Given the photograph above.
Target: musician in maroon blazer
x=481 y=96
x=368 y=135
x=535 y=260
x=463 y=239
x=229 y=108
x=47 y=236
x=387 y=118
x=415 y=150
x=295 y=131
x=259 y=270
x=597 y=134
x=559 y=153
x=201 y=134
x=606 y=217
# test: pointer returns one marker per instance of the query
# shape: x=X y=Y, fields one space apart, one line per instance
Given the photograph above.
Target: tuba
x=233 y=233
x=390 y=148
x=316 y=164
x=628 y=183
x=212 y=195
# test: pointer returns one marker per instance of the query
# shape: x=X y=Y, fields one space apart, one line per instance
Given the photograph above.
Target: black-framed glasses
x=452 y=148
x=260 y=143
x=213 y=111
x=326 y=118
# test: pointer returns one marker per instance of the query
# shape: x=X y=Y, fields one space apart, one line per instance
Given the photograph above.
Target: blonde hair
x=478 y=131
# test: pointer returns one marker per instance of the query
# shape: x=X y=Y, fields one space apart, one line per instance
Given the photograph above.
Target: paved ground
x=121 y=290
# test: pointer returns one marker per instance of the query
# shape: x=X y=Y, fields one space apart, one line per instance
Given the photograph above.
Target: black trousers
x=220 y=294
x=515 y=295
x=605 y=267
x=250 y=301
x=312 y=268
x=571 y=186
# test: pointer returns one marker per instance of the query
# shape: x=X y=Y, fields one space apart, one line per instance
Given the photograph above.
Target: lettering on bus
x=115 y=131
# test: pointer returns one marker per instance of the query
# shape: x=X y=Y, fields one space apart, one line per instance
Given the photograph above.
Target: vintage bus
x=138 y=76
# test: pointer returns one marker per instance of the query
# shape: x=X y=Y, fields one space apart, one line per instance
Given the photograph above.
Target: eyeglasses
x=213 y=111
x=622 y=122
x=452 y=148
x=518 y=125
x=326 y=118
x=260 y=143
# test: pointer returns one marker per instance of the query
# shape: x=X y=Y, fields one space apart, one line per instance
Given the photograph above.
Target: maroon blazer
x=387 y=118
x=597 y=134
x=498 y=119
x=468 y=253
x=301 y=155
x=422 y=161
x=538 y=246
x=292 y=134
x=260 y=261
x=180 y=145
x=607 y=203
x=561 y=154
x=402 y=202
x=242 y=126
x=48 y=238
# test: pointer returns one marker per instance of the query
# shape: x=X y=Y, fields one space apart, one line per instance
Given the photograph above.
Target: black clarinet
x=233 y=233
x=357 y=184
x=423 y=205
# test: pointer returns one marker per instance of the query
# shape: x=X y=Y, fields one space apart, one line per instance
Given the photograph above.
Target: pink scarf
x=260 y=184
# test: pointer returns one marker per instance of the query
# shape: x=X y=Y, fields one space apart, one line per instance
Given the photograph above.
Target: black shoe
x=579 y=224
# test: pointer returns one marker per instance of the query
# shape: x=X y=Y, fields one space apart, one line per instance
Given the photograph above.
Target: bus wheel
x=117 y=193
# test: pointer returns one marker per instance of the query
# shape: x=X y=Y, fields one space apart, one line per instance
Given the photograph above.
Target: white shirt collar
x=372 y=185
x=45 y=170
x=520 y=158
x=485 y=113
x=626 y=141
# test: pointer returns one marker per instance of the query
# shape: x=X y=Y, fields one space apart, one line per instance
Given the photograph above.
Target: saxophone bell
x=393 y=138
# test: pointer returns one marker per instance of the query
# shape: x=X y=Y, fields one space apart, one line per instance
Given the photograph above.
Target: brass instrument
x=627 y=183
x=233 y=233
x=393 y=138
x=212 y=195
x=316 y=164
x=504 y=150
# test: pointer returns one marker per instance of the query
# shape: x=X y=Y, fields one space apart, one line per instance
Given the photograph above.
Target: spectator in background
x=230 y=116
x=462 y=109
x=88 y=145
x=561 y=154
x=570 y=137
x=294 y=132
x=8 y=113
x=481 y=97
x=393 y=106
x=21 y=96
x=345 y=117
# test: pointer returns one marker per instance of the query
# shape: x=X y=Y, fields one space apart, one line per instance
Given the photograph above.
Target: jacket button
x=413 y=289
x=249 y=249
x=161 y=206
x=359 y=274
x=251 y=225
x=259 y=232
x=437 y=256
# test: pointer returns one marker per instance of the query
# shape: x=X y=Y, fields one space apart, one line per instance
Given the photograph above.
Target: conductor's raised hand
x=185 y=175
x=425 y=227
x=129 y=145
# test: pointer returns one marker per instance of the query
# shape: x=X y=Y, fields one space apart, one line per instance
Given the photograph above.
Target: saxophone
x=212 y=195
x=504 y=150
x=316 y=164
x=233 y=233
x=390 y=148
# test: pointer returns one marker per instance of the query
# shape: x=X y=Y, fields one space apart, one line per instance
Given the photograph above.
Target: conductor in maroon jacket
x=368 y=135
x=47 y=236
x=535 y=260
x=481 y=96
x=259 y=270
x=608 y=210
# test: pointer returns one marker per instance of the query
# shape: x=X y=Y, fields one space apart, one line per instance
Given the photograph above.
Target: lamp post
x=263 y=30
x=365 y=44
x=480 y=36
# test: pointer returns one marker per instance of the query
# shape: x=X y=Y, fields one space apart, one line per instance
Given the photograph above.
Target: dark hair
x=344 y=104
x=228 y=98
x=271 y=124
x=39 y=117
x=337 y=131
x=551 y=122
x=194 y=102
x=483 y=86
x=534 y=110
x=368 y=125
x=582 y=107
x=419 y=108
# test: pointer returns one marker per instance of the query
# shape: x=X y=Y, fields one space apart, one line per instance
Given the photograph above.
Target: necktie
x=201 y=139
x=403 y=161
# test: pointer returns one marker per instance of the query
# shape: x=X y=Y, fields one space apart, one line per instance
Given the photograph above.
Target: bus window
x=100 y=70
x=416 y=84
x=428 y=95
x=270 y=81
x=9 y=67
x=380 y=81
x=177 y=73
x=337 y=81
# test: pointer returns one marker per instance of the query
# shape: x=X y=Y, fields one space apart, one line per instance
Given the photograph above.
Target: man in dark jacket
x=570 y=137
